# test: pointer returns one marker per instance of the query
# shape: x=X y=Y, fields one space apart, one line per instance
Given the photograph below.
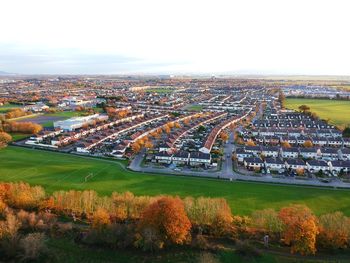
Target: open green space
x=5 y=108
x=159 y=90
x=335 y=110
x=57 y=171
x=195 y=107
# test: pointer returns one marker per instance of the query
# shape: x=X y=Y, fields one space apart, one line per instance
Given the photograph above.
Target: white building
x=78 y=122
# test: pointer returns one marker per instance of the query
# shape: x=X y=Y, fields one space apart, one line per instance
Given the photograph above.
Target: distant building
x=78 y=122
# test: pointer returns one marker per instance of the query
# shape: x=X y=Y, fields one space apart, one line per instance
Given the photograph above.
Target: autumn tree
x=334 y=230
x=22 y=127
x=166 y=129
x=304 y=108
x=136 y=147
x=300 y=171
x=148 y=144
x=177 y=125
x=268 y=221
x=308 y=144
x=15 y=113
x=224 y=136
x=285 y=144
x=167 y=217
x=5 y=138
x=100 y=218
x=300 y=229
x=250 y=142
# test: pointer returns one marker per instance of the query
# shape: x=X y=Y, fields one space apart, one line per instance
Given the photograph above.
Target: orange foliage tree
x=300 y=229
x=250 y=143
x=5 y=138
x=100 y=218
x=334 y=230
x=167 y=217
x=224 y=136
x=136 y=147
x=308 y=144
x=285 y=144
x=23 y=127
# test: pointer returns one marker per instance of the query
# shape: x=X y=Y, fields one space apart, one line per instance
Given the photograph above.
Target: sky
x=302 y=37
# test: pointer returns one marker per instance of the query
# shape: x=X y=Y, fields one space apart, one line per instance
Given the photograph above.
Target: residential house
x=310 y=153
x=274 y=164
x=292 y=152
x=330 y=154
x=181 y=158
x=270 y=151
x=337 y=167
x=345 y=154
x=314 y=166
x=199 y=158
x=294 y=164
x=163 y=157
x=253 y=163
x=241 y=153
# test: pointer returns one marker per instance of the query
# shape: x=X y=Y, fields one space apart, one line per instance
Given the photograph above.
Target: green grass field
x=5 y=108
x=195 y=107
x=336 y=110
x=56 y=171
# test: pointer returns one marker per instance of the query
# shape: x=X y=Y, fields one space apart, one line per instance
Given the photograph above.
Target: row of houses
x=86 y=145
x=184 y=158
x=58 y=137
x=293 y=152
x=295 y=141
x=209 y=141
x=293 y=132
x=334 y=167
x=300 y=123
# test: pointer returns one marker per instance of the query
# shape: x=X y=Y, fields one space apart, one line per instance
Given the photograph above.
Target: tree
x=304 y=108
x=224 y=136
x=5 y=138
x=281 y=98
x=15 y=113
x=100 y=218
x=148 y=144
x=168 y=218
x=300 y=229
x=267 y=220
x=285 y=144
x=346 y=132
x=308 y=144
x=166 y=129
x=250 y=143
x=177 y=125
x=136 y=147
x=334 y=230
x=300 y=171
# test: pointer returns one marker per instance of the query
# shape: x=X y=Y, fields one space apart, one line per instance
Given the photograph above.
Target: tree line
x=28 y=215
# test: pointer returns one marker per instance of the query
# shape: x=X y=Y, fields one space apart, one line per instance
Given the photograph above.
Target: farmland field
x=56 y=171
x=335 y=110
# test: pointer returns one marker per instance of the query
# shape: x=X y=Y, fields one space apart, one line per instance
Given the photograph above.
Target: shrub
x=33 y=246
x=244 y=248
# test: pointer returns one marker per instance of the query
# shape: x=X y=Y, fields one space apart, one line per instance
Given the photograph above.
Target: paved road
x=227 y=171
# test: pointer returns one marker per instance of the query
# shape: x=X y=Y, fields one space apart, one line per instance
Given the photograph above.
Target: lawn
x=160 y=90
x=195 y=107
x=335 y=110
x=5 y=108
x=56 y=171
